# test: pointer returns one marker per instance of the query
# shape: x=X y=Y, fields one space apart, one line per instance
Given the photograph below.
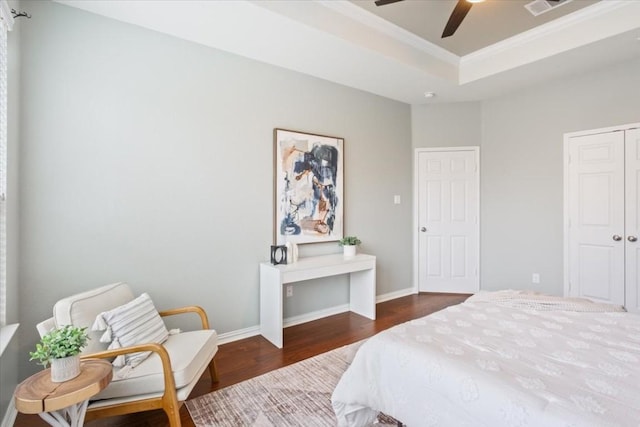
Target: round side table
x=63 y=404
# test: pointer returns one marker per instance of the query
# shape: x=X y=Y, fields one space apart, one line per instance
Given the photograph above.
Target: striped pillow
x=136 y=322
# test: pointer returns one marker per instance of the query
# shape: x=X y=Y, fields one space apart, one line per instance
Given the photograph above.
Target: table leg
x=271 y=306
x=72 y=416
x=362 y=293
x=82 y=411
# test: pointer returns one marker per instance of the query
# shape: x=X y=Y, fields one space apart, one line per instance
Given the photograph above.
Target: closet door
x=596 y=217
x=632 y=214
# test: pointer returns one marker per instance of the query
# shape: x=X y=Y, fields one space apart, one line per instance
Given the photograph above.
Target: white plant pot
x=65 y=369
x=349 y=250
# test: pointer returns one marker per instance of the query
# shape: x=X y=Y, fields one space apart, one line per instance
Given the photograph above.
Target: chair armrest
x=189 y=309
x=169 y=382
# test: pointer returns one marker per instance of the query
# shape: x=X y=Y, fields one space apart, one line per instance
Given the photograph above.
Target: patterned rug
x=296 y=395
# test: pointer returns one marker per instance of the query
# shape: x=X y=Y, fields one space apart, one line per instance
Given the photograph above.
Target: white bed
x=500 y=359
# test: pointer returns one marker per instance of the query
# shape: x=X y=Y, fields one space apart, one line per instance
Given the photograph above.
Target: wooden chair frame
x=169 y=400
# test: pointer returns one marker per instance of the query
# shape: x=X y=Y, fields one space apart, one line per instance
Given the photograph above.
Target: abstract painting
x=309 y=187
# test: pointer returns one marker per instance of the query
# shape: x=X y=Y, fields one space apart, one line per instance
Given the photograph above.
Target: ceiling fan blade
x=458 y=14
x=383 y=2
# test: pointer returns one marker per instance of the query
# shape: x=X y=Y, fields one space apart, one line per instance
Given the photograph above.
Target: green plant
x=59 y=343
x=350 y=240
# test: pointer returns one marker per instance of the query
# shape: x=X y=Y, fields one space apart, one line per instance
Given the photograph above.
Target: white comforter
x=491 y=362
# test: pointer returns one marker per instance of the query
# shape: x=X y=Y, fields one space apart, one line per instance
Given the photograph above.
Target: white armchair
x=162 y=381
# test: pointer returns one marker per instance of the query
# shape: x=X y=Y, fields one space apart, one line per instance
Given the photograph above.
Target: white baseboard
x=315 y=315
x=252 y=331
x=10 y=416
x=395 y=294
x=239 y=334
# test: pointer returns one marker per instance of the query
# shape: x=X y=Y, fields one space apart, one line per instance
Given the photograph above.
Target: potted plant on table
x=349 y=244
x=61 y=347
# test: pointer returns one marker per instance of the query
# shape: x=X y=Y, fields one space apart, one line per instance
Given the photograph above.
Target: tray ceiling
x=394 y=52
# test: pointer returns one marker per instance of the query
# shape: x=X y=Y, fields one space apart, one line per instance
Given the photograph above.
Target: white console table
x=362 y=288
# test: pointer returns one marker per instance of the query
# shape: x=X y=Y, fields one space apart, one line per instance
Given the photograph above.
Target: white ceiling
x=342 y=42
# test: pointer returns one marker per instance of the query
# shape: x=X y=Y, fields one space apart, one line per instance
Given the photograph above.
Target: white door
x=632 y=219
x=596 y=217
x=448 y=223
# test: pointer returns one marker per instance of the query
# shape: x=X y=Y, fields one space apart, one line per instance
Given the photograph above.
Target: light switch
x=396 y=199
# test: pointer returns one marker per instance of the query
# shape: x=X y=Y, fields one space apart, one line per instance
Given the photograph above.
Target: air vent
x=538 y=7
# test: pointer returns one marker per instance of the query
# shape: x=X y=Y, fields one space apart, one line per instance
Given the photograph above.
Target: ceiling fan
x=457 y=16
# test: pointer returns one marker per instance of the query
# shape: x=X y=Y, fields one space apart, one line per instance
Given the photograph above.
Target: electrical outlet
x=289 y=291
x=535 y=278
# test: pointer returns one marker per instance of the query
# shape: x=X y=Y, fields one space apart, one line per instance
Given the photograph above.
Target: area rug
x=296 y=395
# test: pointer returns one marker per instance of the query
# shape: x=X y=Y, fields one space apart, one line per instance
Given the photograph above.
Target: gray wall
x=446 y=125
x=9 y=360
x=521 y=170
x=148 y=159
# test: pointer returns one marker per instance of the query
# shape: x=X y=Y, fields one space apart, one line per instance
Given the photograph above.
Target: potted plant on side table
x=61 y=347
x=349 y=244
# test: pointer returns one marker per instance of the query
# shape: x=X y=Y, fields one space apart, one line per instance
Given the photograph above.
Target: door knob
x=632 y=238
x=423 y=229
x=617 y=238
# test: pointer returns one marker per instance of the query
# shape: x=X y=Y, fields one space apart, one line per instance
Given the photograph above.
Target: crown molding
x=382 y=58
x=583 y=28
x=361 y=15
x=550 y=28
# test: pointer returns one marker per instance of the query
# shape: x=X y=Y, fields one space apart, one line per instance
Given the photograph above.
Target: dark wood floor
x=247 y=358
